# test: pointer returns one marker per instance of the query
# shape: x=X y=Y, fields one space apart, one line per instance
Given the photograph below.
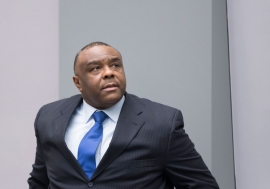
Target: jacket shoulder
x=60 y=103
x=146 y=103
x=153 y=110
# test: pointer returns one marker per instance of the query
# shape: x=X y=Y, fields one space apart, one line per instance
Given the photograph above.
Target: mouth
x=110 y=86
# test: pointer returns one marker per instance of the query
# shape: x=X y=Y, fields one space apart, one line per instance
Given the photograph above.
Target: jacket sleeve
x=38 y=177
x=184 y=165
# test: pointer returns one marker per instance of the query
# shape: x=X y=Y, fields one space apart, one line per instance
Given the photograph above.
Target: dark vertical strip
x=228 y=41
x=222 y=140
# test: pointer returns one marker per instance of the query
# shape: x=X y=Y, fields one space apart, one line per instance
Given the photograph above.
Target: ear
x=77 y=82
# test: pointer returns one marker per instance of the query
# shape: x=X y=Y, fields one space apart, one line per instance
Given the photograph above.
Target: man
x=141 y=144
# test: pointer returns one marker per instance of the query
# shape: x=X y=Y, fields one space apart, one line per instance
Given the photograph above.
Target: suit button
x=90 y=184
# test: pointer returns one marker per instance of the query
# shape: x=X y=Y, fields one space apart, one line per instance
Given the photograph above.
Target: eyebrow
x=92 y=62
x=114 y=59
x=97 y=61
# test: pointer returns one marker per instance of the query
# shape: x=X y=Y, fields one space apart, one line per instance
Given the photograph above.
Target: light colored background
x=150 y=37
x=249 y=29
x=29 y=72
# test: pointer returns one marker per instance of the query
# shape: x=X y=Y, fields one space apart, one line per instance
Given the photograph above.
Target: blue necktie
x=89 y=143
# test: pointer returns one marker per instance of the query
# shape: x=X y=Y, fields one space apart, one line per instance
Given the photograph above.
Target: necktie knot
x=99 y=116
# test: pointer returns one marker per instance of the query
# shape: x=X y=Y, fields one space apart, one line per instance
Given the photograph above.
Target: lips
x=110 y=85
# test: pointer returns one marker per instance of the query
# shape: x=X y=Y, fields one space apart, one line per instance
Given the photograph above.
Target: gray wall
x=222 y=140
x=28 y=79
x=174 y=53
x=249 y=30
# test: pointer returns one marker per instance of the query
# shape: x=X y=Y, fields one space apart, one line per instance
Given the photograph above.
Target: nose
x=108 y=72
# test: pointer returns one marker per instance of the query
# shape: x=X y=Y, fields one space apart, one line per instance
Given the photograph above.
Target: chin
x=112 y=99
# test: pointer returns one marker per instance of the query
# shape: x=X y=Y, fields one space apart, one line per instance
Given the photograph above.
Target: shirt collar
x=112 y=112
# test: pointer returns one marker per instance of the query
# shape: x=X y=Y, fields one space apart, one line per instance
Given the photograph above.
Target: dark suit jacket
x=149 y=150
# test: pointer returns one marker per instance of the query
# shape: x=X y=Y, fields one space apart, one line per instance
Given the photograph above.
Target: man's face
x=100 y=76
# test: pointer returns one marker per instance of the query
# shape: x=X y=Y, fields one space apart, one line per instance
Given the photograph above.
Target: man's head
x=99 y=75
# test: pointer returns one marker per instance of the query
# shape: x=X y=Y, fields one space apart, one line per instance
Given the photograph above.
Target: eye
x=95 y=68
x=115 y=65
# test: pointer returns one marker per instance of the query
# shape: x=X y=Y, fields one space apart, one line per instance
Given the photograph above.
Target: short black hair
x=90 y=45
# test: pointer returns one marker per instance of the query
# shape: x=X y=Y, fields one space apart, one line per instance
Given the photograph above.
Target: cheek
x=85 y=84
x=92 y=84
x=121 y=76
x=123 y=79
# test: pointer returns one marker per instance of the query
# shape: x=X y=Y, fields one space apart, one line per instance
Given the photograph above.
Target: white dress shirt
x=82 y=121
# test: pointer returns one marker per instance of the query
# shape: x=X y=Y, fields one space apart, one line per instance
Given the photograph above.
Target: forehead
x=97 y=53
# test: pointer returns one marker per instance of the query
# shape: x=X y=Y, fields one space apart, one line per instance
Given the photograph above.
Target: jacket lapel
x=129 y=123
x=59 y=129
